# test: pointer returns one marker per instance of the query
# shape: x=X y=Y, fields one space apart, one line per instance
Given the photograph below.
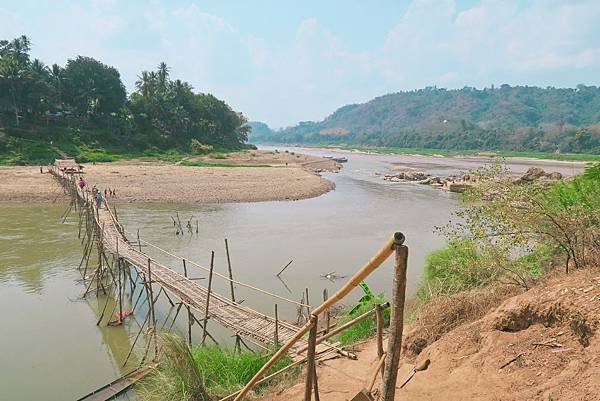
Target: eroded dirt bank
x=538 y=345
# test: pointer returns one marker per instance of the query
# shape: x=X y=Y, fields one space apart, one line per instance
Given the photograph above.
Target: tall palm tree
x=163 y=76
x=13 y=75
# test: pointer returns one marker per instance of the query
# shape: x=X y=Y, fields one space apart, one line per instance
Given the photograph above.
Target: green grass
x=205 y=372
x=461 y=266
x=449 y=153
x=210 y=164
x=225 y=371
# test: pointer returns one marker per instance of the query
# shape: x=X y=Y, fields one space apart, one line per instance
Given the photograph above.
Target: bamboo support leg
x=151 y=300
x=210 y=276
x=188 y=309
x=276 y=334
x=379 y=323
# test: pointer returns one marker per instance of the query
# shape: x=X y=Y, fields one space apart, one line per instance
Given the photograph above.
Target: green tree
x=92 y=88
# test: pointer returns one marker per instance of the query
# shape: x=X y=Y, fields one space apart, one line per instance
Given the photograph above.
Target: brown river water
x=50 y=346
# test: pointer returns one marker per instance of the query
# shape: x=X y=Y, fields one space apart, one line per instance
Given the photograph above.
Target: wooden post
x=379 y=323
x=120 y=283
x=307 y=305
x=310 y=358
x=276 y=336
x=151 y=300
x=327 y=313
x=230 y=272
x=190 y=321
x=394 y=346
x=210 y=276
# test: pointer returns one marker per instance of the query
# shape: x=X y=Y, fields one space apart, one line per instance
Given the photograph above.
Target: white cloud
x=308 y=75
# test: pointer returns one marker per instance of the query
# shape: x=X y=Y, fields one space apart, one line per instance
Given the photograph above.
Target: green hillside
x=507 y=118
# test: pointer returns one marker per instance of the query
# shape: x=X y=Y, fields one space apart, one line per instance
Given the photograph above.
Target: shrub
x=367 y=327
x=198 y=148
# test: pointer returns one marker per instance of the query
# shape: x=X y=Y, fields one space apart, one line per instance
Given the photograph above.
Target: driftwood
x=511 y=361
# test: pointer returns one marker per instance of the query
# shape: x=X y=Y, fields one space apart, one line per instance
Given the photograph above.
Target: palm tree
x=13 y=75
x=163 y=76
x=144 y=84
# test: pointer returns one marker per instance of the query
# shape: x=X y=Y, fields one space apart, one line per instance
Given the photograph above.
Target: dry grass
x=442 y=313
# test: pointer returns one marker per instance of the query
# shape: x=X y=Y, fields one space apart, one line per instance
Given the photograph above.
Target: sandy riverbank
x=153 y=181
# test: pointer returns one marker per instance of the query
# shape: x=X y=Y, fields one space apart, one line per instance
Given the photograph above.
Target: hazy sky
x=285 y=61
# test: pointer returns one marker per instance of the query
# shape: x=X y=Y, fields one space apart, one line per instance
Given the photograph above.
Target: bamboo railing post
x=190 y=321
x=151 y=300
x=394 y=346
x=119 y=282
x=379 y=323
x=310 y=358
x=276 y=335
x=307 y=305
x=230 y=272
x=210 y=276
x=327 y=312
x=138 y=238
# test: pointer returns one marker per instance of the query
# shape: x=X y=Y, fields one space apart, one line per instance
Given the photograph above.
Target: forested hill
x=83 y=110
x=519 y=118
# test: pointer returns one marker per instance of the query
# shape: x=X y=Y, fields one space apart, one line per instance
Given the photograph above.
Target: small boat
x=340 y=159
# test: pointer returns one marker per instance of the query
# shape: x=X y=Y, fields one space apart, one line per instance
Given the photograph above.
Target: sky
x=282 y=62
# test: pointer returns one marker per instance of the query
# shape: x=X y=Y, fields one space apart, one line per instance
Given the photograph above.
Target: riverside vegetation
x=82 y=110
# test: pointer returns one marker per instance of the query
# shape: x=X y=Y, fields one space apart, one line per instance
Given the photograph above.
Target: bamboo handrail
x=346 y=325
x=376 y=261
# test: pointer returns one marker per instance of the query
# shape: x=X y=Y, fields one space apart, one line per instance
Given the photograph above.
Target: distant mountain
x=259 y=130
x=505 y=118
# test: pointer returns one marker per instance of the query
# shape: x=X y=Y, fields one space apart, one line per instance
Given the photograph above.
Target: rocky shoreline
x=461 y=182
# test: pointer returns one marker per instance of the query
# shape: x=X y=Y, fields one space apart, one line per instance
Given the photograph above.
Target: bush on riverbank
x=509 y=236
x=204 y=372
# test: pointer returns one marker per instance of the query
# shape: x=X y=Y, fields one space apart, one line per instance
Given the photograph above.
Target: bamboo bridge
x=104 y=233
x=110 y=238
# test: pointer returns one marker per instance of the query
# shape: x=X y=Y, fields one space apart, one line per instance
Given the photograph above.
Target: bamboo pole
x=230 y=272
x=327 y=312
x=315 y=383
x=394 y=346
x=307 y=304
x=380 y=366
x=343 y=327
x=152 y=309
x=310 y=358
x=379 y=323
x=188 y=308
x=269 y=377
x=276 y=335
x=119 y=282
x=376 y=261
x=210 y=276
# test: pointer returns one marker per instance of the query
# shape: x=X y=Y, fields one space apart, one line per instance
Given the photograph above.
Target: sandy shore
x=152 y=181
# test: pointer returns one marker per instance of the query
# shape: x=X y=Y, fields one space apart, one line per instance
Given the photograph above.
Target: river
x=50 y=345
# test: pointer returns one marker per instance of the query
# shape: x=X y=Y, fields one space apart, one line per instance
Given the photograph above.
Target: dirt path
x=545 y=339
x=154 y=181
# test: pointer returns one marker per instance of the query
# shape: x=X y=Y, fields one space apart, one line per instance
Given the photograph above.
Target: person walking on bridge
x=99 y=200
